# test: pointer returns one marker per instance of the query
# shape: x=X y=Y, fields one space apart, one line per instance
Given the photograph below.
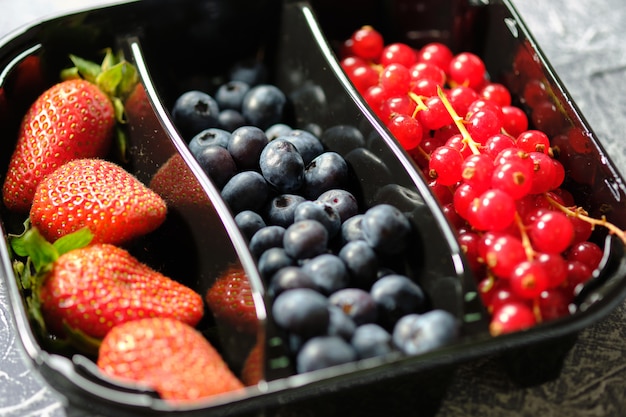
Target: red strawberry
x=167 y=355
x=73 y=119
x=177 y=185
x=252 y=371
x=96 y=287
x=230 y=299
x=100 y=195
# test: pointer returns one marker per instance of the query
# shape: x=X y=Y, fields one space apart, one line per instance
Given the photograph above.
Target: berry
x=326 y=172
x=167 y=355
x=246 y=190
x=396 y=296
x=231 y=301
x=97 y=194
x=305 y=239
x=302 y=311
x=358 y=304
x=282 y=166
x=245 y=146
x=324 y=351
x=414 y=334
x=371 y=340
x=208 y=137
x=386 y=229
x=263 y=105
x=193 y=112
x=328 y=272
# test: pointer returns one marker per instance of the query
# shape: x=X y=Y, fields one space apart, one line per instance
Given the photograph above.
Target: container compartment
x=188 y=44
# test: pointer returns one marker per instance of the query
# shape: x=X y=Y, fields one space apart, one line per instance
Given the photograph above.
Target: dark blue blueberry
x=245 y=145
x=281 y=208
x=302 y=311
x=352 y=229
x=329 y=170
x=193 y=112
x=305 y=239
x=420 y=333
x=230 y=120
x=371 y=340
x=249 y=222
x=245 y=191
x=217 y=163
x=322 y=352
x=361 y=262
x=356 y=303
x=342 y=138
x=264 y=105
x=277 y=130
x=208 y=137
x=307 y=144
x=272 y=260
x=266 y=237
x=328 y=272
x=342 y=200
x=288 y=278
x=386 y=228
x=282 y=166
x=396 y=296
x=340 y=323
x=251 y=72
x=230 y=94
x=320 y=211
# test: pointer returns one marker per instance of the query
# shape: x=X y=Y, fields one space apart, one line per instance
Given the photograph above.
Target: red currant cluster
x=497 y=180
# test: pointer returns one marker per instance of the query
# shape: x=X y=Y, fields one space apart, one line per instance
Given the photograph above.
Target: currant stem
x=578 y=212
x=419 y=103
x=528 y=247
x=458 y=121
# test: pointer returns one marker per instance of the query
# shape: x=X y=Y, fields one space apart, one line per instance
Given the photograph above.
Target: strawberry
x=177 y=185
x=74 y=118
x=252 y=370
x=93 y=288
x=169 y=356
x=231 y=302
x=97 y=194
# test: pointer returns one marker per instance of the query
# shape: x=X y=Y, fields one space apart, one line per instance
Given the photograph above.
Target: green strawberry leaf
x=39 y=250
x=88 y=69
x=75 y=240
x=121 y=142
x=110 y=59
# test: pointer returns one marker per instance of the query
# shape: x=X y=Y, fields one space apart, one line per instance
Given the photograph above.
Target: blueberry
x=361 y=262
x=245 y=191
x=280 y=209
x=305 y=239
x=290 y=277
x=396 y=296
x=340 y=323
x=249 y=222
x=245 y=145
x=272 y=260
x=282 y=166
x=371 y=340
x=265 y=238
x=342 y=200
x=342 y=138
x=230 y=94
x=419 y=333
x=386 y=228
x=302 y=311
x=322 y=352
x=307 y=144
x=217 y=163
x=356 y=303
x=264 y=105
x=277 y=130
x=352 y=229
x=251 y=72
x=208 y=137
x=230 y=120
x=328 y=272
x=320 y=211
x=193 y=112
x=327 y=171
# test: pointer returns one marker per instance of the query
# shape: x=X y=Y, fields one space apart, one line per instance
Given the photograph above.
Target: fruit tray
x=177 y=46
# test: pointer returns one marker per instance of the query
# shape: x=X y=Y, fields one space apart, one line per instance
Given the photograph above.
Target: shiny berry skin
x=386 y=228
x=305 y=239
x=328 y=272
x=367 y=43
x=324 y=351
x=396 y=296
x=357 y=303
x=419 y=333
x=282 y=166
x=193 y=112
x=246 y=190
x=467 y=69
x=302 y=311
x=263 y=105
x=511 y=317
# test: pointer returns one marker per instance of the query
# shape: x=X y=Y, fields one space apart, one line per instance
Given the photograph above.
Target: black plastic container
x=179 y=45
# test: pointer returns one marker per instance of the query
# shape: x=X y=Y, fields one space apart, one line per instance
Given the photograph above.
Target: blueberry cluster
x=324 y=259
